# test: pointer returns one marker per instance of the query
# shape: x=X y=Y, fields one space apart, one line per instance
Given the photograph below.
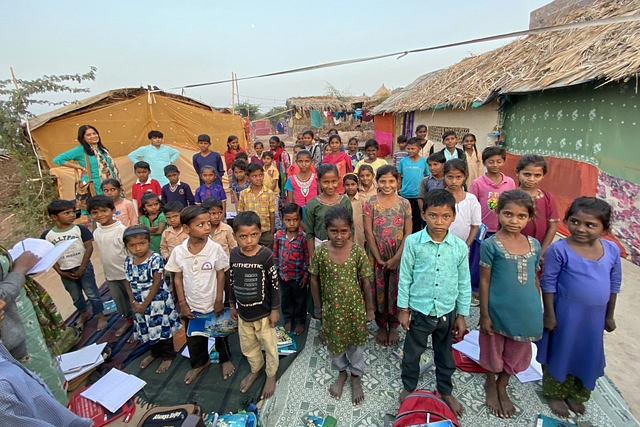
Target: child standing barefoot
x=434 y=262
x=531 y=169
x=350 y=182
x=387 y=222
x=155 y=315
x=580 y=283
x=510 y=309
x=345 y=306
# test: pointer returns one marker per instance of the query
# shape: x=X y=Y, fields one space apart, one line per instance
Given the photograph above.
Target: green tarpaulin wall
x=600 y=126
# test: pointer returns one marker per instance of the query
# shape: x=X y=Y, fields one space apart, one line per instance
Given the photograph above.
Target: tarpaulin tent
x=124 y=117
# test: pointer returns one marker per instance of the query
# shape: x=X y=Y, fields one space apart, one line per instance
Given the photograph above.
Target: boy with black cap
x=206 y=157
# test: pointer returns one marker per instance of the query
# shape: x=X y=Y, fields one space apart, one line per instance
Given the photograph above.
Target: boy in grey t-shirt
x=74 y=267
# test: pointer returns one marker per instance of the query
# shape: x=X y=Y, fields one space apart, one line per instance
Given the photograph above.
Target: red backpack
x=415 y=408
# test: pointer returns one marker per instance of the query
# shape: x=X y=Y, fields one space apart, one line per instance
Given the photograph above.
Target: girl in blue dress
x=580 y=282
x=510 y=308
x=155 y=315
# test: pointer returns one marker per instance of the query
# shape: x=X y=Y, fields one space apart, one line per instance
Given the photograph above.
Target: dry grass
x=561 y=58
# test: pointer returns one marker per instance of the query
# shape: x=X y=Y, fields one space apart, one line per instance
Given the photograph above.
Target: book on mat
x=544 y=421
x=114 y=389
x=425 y=361
x=284 y=339
x=290 y=349
x=48 y=253
x=211 y=326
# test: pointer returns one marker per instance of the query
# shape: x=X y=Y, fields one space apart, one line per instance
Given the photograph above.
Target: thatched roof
x=536 y=62
x=110 y=97
x=320 y=103
x=398 y=95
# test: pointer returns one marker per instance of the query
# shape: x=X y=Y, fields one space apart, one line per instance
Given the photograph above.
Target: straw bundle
x=561 y=58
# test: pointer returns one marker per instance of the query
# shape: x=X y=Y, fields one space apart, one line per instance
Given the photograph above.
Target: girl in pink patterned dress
x=387 y=221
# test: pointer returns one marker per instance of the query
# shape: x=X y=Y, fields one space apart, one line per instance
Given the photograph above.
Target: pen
x=23 y=249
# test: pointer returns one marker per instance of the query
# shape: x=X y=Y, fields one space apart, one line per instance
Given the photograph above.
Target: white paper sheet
x=85 y=356
x=114 y=389
x=50 y=254
x=74 y=374
x=210 y=344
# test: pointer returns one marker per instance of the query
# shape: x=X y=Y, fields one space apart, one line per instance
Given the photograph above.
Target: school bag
x=423 y=405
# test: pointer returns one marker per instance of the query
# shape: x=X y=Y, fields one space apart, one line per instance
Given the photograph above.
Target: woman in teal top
x=101 y=164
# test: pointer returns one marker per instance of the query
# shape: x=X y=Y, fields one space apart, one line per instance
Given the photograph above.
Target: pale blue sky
x=175 y=43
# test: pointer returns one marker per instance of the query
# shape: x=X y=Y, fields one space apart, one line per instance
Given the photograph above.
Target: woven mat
x=302 y=391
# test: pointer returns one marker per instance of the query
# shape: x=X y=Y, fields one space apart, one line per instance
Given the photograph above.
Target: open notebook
x=50 y=254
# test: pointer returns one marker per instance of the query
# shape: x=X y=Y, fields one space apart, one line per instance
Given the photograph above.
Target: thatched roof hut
x=537 y=62
x=320 y=103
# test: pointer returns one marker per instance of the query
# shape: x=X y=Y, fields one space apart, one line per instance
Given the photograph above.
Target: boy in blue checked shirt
x=434 y=295
x=292 y=260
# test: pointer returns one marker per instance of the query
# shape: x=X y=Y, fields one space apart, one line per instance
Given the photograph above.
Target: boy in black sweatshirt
x=254 y=288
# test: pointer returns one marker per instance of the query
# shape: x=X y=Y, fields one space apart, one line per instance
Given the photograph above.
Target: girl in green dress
x=346 y=304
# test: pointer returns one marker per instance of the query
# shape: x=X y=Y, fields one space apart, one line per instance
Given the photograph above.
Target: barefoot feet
x=164 y=366
x=227 y=369
x=124 y=328
x=84 y=318
x=335 y=390
x=454 y=405
x=193 y=373
x=576 y=408
x=558 y=407
x=287 y=327
x=394 y=338
x=299 y=329
x=357 y=395
x=491 y=397
x=248 y=381
x=146 y=361
x=382 y=337
x=102 y=322
x=321 y=338
x=269 y=387
x=508 y=410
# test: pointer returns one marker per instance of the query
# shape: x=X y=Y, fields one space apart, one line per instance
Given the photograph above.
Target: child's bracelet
x=317 y=311
x=405 y=310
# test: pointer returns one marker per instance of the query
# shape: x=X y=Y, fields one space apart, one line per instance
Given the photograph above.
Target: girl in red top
x=233 y=148
x=338 y=158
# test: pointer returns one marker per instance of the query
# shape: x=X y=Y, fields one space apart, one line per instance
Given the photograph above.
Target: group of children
x=356 y=242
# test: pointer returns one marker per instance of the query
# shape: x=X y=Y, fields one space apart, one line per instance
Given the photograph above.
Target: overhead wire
x=399 y=55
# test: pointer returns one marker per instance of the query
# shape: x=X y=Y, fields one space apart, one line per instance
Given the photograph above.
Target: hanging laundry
x=316 y=119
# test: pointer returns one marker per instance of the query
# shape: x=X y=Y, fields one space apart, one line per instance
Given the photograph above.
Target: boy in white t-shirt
x=108 y=236
x=74 y=267
x=199 y=264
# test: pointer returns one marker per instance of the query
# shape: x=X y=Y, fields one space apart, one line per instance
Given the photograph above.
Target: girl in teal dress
x=153 y=218
x=510 y=303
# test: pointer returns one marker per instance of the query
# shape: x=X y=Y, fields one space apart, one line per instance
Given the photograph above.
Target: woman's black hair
x=531 y=159
x=190 y=213
x=457 y=165
x=387 y=169
x=337 y=213
x=352 y=176
x=366 y=167
x=148 y=197
x=276 y=139
x=308 y=132
x=335 y=136
x=303 y=152
x=111 y=181
x=135 y=230
x=324 y=169
x=517 y=197
x=246 y=219
x=421 y=127
x=231 y=138
x=291 y=208
x=466 y=135
x=592 y=206
x=87 y=147
x=438 y=198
